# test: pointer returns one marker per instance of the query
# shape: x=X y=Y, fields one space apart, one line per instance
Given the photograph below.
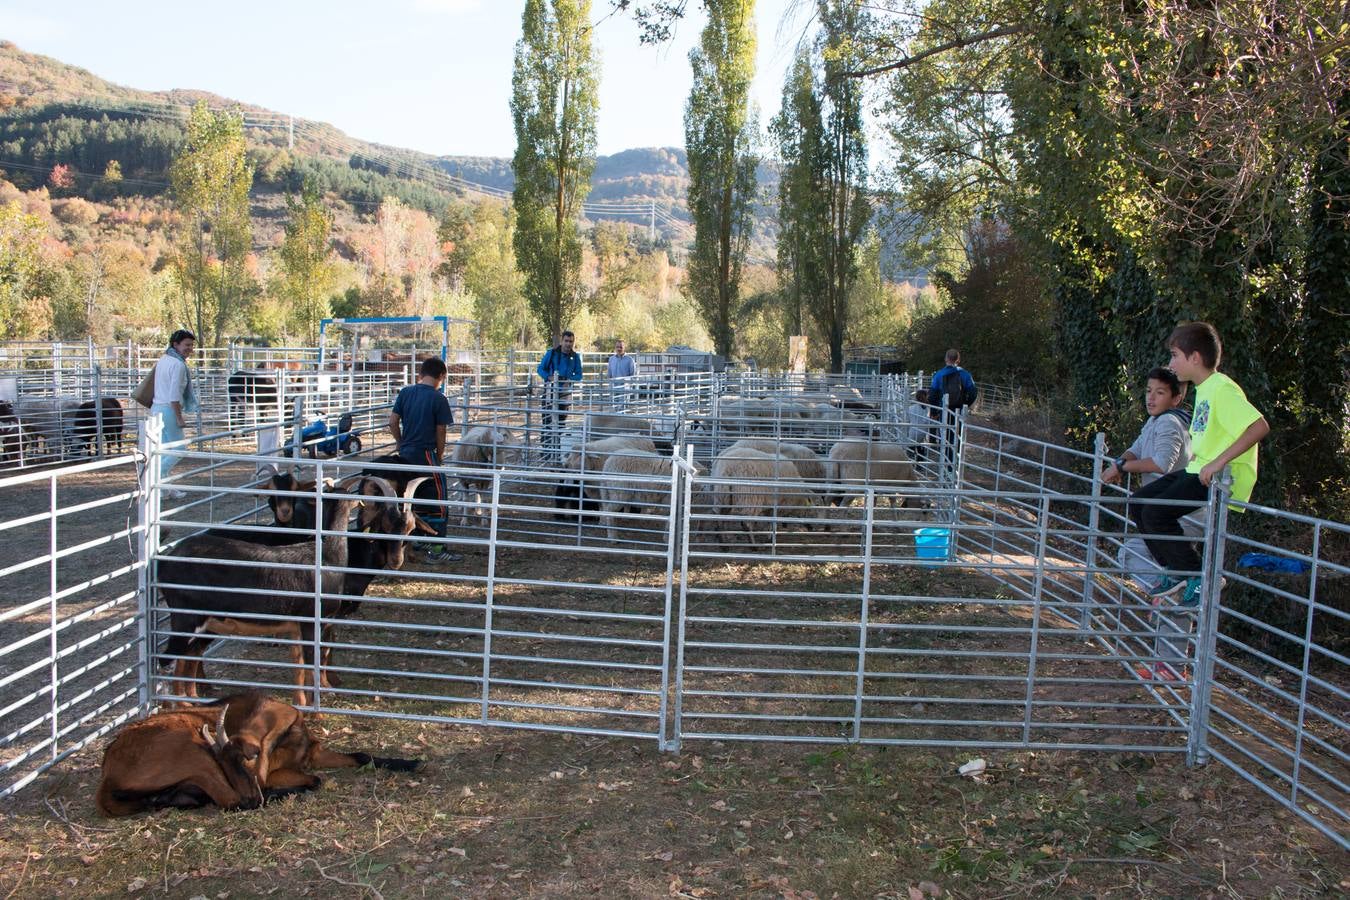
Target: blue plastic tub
x=932 y=543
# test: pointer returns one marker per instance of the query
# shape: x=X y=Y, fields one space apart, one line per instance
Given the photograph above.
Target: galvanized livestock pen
x=980 y=603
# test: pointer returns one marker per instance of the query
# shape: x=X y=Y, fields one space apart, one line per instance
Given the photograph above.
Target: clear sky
x=431 y=75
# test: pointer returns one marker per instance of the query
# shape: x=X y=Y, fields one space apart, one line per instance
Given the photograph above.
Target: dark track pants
x=1156 y=521
x=440 y=515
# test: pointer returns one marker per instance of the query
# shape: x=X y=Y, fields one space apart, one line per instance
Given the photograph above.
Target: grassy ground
x=502 y=813
x=506 y=814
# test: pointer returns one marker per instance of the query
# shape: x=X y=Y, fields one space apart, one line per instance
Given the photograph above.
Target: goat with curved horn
x=221 y=737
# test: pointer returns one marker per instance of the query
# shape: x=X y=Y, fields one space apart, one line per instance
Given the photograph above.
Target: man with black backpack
x=560 y=369
x=952 y=386
x=952 y=389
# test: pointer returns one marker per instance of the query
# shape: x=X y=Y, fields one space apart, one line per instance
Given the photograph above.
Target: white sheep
x=590 y=458
x=620 y=496
x=742 y=501
x=869 y=464
x=485 y=447
x=606 y=424
x=810 y=467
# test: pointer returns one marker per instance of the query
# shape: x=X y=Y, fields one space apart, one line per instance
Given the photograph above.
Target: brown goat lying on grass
x=261 y=750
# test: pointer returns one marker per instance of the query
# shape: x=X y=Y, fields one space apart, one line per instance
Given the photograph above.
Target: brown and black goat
x=385 y=522
x=207 y=599
x=261 y=750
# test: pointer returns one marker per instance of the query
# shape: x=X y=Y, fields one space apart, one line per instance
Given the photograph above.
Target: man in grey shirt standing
x=621 y=366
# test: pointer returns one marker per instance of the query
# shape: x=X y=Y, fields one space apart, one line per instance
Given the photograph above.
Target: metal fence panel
x=532 y=629
x=1278 y=702
x=71 y=634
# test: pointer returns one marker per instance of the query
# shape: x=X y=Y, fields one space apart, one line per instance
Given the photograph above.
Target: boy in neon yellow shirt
x=1225 y=429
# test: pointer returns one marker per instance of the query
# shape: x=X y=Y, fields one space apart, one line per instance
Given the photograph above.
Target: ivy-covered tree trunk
x=1325 y=334
x=1092 y=362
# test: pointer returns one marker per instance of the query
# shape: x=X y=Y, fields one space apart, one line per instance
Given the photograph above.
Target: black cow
x=87 y=425
x=252 y=389
x=11 y=434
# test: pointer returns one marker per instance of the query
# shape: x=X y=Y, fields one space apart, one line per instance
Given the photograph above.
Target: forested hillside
x=90 y=225
x=52 y=113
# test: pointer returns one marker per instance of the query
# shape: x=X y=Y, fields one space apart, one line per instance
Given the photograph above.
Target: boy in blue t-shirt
x=418 y=424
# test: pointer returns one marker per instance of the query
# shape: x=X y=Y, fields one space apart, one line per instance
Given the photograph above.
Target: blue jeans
x=172 y=432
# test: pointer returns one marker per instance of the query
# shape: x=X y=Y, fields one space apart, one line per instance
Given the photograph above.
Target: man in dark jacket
x=560 y=368
x=953 y=389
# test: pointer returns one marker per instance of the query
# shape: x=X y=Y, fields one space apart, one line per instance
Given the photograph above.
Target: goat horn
x=410 y=490
x=381 y=485
x=221 y=737
x=346 y=485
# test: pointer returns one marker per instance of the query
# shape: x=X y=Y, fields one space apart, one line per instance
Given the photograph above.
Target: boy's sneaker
x=1191 y=595
x=1161 y=672
x=1165 y=672
x=440 y=555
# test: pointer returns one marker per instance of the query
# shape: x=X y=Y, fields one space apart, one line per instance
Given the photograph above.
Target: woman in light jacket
x=173 y=393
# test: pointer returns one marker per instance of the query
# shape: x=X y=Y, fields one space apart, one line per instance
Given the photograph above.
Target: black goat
x=11 y=434
x=571 y=495
x=293 y=513
x=395 y=519
x=426 y=485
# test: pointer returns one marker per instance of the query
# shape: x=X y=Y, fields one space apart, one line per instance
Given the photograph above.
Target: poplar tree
x=211 y=178
x=823 y=203
x=553 y=105
x=799 y=133
x=845 y=175
x=719 y=130
x=307 y=273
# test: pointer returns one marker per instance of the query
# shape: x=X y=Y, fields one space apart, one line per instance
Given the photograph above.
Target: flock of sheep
x=757 y=477
x=762 y=458
x=615 y=470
